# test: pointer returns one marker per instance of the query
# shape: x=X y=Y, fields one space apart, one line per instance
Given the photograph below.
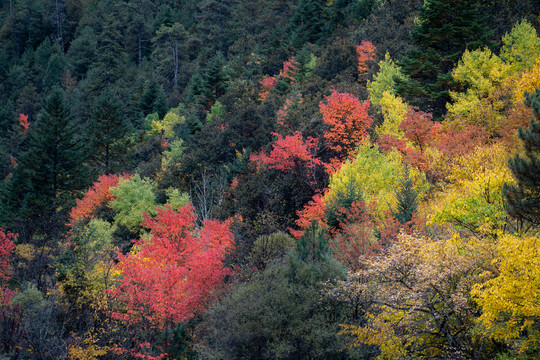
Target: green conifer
x=446 y=29
x=523 y=199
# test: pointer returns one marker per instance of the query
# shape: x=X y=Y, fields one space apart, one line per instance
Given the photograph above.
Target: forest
x=269 y=179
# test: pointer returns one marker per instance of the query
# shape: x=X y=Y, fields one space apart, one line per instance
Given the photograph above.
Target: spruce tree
x=153 y=100
x=307 y=23
x=107 y=127
x=523 y=199
x=49 y=174
x=217 y=78
x=446 y=29
x=407 y=200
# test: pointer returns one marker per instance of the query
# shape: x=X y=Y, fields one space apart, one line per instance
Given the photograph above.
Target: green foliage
x=313 y=245
x=153 y=100
x=481 y=73
x=167 y=126
x=268 y=248
x=216 y=112
x=174 y=154
x=107 y=129
x=407 y=200
x=286 y=298
x=55 y=71
x=523 y=198
x=445 y=29
x=371 y=176
x=51 y=170
x=176 y=199
x=521 y=47
x=133 y=198
x=307 y=23
x=385 y=80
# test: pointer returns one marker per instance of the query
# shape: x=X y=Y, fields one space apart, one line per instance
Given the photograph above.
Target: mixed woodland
x=278 y=179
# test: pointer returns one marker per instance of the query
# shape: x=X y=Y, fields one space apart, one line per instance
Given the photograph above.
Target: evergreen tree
x=217 y=78
x=283 y=312
x=523 y=199
x=198 y=89
x=407 y=200
x=82 y=52
x=313 y=245
x=107 y=127
x=54 y=72
x=213 y=18
x=445 y=30
x=111 y=54
x=50 y=173
x=153 y=100
x=307 y=23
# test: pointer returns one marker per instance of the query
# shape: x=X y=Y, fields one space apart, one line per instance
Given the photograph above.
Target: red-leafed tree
x=23 y=121
x=171 y=276
x=365 y=52
x=9 y=313
x=314 y=210
x=289 y=70
x=419 y=128
x=290 y=153
x=98 y=195
x=267 y=84
x=6 y=248
x=348 y=120
x=457 y=142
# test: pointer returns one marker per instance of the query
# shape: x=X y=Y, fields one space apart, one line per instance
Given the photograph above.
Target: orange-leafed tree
x=315 y=209
x=23 y=121
x=365 y=52
x=267 y=84
x=170 y=276
x=98 y=195
x=348 y=120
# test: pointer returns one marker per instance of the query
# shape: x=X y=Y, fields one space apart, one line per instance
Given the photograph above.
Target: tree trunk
x=140 y=45
x=59 y=36
x=175 y=60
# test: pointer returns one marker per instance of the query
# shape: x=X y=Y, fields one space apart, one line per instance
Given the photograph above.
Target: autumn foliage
x=267 y=84
x=314 y=210
x=288 y=74
x=96 y=196
x=290 y=152
x=23 y=121
x=6 y=248
x=170 y=276
x=348 y=120
x=419 y=128
x=365 y=52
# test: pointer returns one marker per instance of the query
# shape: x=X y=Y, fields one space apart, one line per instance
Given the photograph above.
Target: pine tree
x=313 y=245
x=445 y=30
x=523 y=199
